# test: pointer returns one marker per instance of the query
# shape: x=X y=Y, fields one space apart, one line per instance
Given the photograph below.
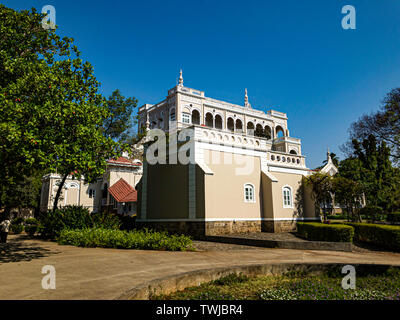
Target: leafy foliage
x=325 y=232
x=301 y=286
x=350 y=194
x=373 y=213
x=141 y=239
x=377 y=234
x=320 y=185
x=74 y=217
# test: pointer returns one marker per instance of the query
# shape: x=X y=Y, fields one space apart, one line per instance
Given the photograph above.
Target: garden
x=370 y=285
x=75 y=225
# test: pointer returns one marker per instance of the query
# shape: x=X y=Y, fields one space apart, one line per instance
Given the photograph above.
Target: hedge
x=378 y=234
x=373 y=213
x=393 y=217
x=111 y=238
x=325 y=232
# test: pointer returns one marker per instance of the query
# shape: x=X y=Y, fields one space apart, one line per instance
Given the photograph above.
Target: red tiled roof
x=123 y=192
x=123 y=160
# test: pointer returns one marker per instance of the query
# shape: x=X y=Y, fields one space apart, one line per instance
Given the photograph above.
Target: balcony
x=284 y=159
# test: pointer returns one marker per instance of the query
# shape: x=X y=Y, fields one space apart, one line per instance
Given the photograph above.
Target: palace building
x=244 y=175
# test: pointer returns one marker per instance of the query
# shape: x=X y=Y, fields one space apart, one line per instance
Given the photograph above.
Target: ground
x=96 y=273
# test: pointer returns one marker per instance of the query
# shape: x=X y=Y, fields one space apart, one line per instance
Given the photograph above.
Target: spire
x=328 y=155
x=246 y=99
x=180 y=78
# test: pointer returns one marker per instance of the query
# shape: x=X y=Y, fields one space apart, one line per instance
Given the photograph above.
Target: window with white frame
x=287 y=197
x=186 y=117
x=249 y=195
x=92 y=193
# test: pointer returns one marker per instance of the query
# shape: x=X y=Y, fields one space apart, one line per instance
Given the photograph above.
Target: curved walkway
x=96 y=273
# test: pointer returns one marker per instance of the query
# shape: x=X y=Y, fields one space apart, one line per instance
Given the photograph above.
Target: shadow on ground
x=18 y=249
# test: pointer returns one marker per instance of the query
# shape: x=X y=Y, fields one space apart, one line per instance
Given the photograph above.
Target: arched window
x=249 y=193
x=239 y=126
x=268 y=132
x=259 y=131
x=287 y=197
x=250 y=128
x=218 y=122
x=231 y=125
x=293 y=151
x=279 y=132
x=172 y=115
x=209 y=120
x=195 y=117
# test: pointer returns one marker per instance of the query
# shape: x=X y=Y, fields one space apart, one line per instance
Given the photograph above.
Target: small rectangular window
x=185 y=117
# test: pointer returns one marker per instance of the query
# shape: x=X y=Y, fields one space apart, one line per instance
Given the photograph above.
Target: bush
x=31 y=229
x=74 y=217
x=31 y=221
x=16 y=228
x=325 y=232
x=105 y=220
x=18 y=220
x=372 y=213
x=108 y=238
x=378 y=234
x=127 y=222
x=393 y=217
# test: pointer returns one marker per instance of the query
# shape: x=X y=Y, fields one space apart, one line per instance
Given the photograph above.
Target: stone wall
x=279 y=226
x=200 y=228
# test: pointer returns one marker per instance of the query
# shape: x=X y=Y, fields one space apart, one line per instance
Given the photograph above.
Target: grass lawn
x=294 y=286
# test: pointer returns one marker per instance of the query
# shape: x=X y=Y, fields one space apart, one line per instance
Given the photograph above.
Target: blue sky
x=293 y=56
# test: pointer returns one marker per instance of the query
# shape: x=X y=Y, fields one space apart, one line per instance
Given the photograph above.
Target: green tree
x=51 y=114
x=378 y=176
x=383 y=124
x=349 y=194
x=120 y=120
x=320 y=185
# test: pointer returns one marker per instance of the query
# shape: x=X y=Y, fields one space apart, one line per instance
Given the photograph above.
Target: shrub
x=127 y=222
x=18 y=220
x=325 y=232
x=16 y=228
x=72 y=218
x=108 y=238
x=31 y=229
x=378 y=234
x=393 y=217
x=105 y=220
x=372 y=213
x=31 y=221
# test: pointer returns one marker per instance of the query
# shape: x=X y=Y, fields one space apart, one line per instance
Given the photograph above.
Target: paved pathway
x=96 y=273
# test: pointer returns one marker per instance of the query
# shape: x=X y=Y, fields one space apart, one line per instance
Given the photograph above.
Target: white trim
x=287 y=170
x=244 y=192
x=291 y=206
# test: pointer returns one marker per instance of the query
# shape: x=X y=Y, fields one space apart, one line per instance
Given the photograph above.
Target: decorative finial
x=246 y=99
x=180 y=78
x=328 y=154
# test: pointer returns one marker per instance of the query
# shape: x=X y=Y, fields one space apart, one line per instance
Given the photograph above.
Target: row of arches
x=233 y=125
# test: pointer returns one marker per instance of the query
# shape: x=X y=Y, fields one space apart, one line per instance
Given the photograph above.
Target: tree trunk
x=60 y=186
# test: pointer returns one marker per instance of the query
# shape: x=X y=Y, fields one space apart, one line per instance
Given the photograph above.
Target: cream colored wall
x=224 y=191
x=117 y=173
x=284 y=179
